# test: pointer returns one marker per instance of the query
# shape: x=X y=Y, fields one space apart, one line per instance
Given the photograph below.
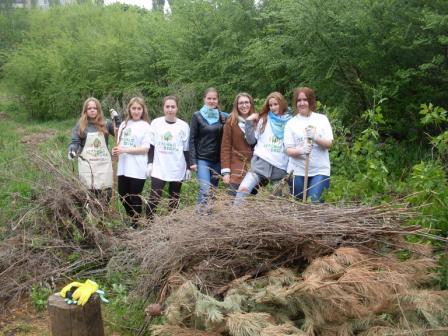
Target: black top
x=205 y=139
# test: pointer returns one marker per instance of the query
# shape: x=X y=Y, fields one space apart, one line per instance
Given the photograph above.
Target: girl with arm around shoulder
x=168 y=156
x=308 y=133
x=205 y=143
x=269 y=160
x=133 y=144
x=236 y=153
x=89 y=144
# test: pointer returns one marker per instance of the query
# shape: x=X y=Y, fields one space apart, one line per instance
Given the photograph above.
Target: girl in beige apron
x=89 y=144
x=94 y=163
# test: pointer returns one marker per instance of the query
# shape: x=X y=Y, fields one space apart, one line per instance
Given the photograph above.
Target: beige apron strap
x=94 y=163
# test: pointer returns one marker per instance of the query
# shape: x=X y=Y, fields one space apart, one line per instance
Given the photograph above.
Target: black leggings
x=157 y=186
x=130 y=189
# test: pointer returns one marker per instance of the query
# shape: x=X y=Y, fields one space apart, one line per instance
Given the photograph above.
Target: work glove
x=70 y=287
x=71 y=154
x=311 y=133
x=187 y=176
x=83 y=293
x=113 y=114
x=305 y=149
x=149 y=170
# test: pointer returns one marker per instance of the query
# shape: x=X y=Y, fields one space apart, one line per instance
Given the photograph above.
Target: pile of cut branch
x=62 y=232
x=262 y=234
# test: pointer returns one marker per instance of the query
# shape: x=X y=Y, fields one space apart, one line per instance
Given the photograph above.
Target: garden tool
x=115 y=117
x=310 y=135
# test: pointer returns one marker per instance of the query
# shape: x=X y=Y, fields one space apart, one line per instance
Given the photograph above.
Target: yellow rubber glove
x=67 y=288
x=83 y=293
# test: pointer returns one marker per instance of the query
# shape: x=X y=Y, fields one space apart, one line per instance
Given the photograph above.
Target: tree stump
x=74 y=320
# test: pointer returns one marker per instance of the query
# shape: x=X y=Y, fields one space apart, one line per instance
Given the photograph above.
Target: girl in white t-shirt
x=133 y=144
x=308 y=133
x=168 y=156
x=269 y=161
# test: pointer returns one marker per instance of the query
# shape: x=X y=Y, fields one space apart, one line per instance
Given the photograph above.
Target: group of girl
x=245 y=149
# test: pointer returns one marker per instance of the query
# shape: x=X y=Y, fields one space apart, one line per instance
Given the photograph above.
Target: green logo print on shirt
x=128 y=140
x=167 y=142
x=274 y=145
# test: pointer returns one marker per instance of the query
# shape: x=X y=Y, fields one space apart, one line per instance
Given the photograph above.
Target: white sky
x=142 y=3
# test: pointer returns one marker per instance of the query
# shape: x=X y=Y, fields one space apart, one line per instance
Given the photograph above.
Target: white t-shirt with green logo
x=134 y=134
x=295 y=135
x=269 y=147
x=170 y=140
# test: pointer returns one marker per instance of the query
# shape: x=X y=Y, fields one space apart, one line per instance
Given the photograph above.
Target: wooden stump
x=74 y=320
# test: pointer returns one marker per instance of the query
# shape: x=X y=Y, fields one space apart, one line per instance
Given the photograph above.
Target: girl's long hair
x=265 y=108
x=99 y=121
x=145 y=116
x=233 y=119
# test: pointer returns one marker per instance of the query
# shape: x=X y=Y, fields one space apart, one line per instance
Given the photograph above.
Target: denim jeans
x=250 y=181
x=208 y=176
x=316 y=185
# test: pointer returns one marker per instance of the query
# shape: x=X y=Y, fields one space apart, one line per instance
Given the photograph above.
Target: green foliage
x=83 y=52
x=350 y=51
x=39 y=297
x=428 y=188
x=13 y=25
x=437 y=117
x=122 y=312
x=361 y=170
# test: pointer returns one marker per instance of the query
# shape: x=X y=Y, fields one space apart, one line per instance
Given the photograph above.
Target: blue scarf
x=210 y=115
x=278 y=123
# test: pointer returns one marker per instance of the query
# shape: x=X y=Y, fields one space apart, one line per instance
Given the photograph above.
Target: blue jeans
x=316 y=185
x=208 y=175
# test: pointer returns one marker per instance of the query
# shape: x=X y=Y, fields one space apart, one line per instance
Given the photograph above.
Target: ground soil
x=24 y=320
x=33 y=139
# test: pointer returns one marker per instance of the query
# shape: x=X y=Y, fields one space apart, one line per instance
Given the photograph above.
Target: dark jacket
x=205 y=139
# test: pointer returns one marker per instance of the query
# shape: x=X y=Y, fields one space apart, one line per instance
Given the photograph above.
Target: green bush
x=350 y=51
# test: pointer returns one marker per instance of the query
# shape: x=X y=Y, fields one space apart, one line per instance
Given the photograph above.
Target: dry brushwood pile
x=232 y=241
x=237 y=271
x=62 y=233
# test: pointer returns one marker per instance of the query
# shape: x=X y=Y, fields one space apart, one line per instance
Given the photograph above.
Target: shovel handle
x=305 y=178
x=307 y=166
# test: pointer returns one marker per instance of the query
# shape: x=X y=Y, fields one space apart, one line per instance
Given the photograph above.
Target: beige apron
x=94 y=163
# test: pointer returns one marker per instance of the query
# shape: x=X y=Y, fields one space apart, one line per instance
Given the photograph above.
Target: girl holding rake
x=308 y=136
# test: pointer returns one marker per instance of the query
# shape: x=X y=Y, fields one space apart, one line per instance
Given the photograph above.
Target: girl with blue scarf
x=266 y=130
x=205 y=143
